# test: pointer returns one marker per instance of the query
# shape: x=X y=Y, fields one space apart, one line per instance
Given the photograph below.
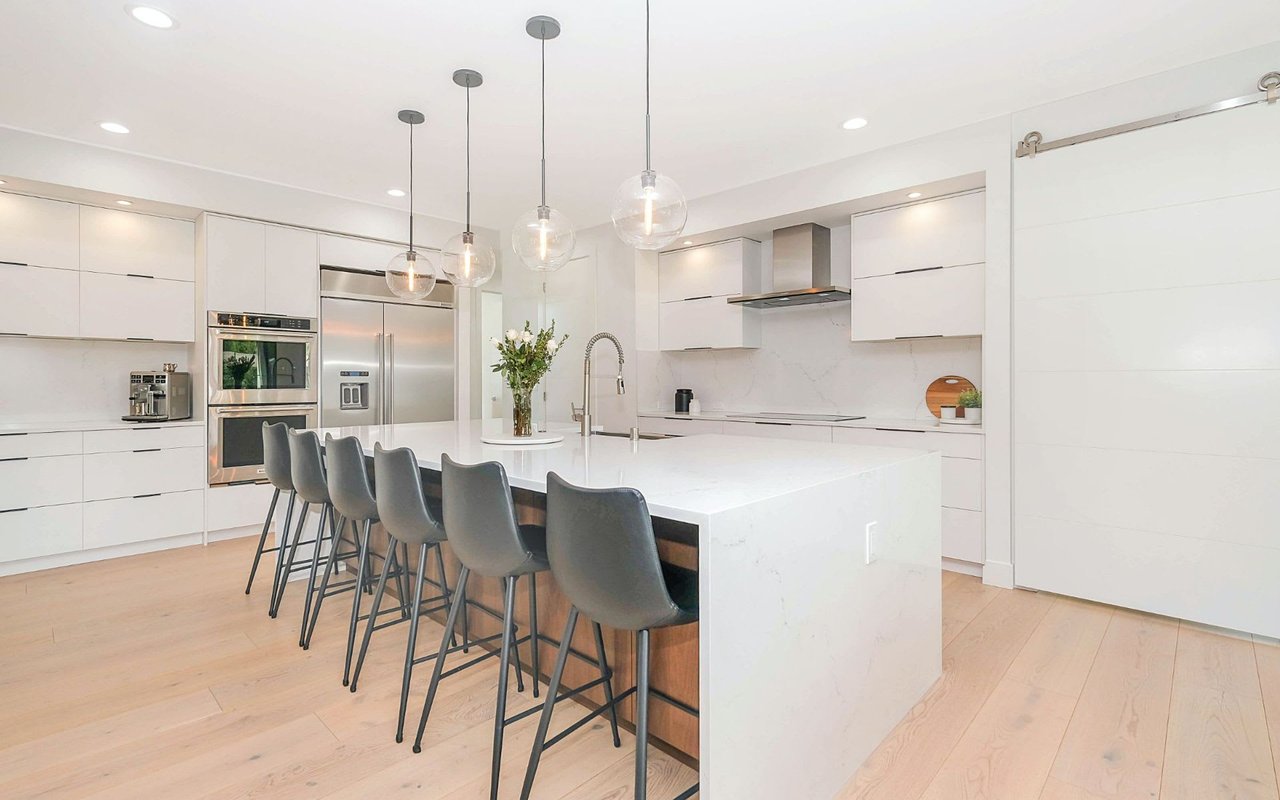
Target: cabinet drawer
x=124 y=242
x=35 y=532
x=708 y=324
x=123 y=307
x=238 y=506
x=939 y=302
x=343 y=251
x=140 y=519
x=962 y=535
x=680 y=426
x=779 y=430
x=142 y=437
x=111 y=475
x=962 y=483
x=45 y=481
x=43 y=233
x=38 y=301
x=713 y=270
x=941 y=233
x=29 y=445
x=951 y=445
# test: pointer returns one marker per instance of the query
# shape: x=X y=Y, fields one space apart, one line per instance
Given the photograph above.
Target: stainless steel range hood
x=801 y=270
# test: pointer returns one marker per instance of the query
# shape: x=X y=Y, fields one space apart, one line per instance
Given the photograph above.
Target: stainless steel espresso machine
x=162 y=396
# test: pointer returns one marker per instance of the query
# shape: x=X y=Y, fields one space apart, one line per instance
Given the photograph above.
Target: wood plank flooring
x=156 y=677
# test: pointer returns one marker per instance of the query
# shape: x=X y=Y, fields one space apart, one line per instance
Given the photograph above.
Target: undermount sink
x=620 y=435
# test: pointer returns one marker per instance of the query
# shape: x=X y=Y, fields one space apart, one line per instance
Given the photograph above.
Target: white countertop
x=688 y=478
x=62 y=425
x=870 y=422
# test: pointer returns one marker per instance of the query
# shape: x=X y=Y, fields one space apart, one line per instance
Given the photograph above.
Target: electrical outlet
x=873 y=545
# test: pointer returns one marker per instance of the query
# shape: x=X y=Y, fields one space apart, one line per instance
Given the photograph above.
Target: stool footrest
x=529 y=712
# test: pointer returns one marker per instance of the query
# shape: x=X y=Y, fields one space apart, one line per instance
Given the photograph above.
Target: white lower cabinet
x=143 y=437
x=680 y=426
x=243 y=505
x=139 y=519
x=29 y=445
x=962 y=483
x=39 y=302
x=127 y=307
x=44 y=531
x=44 y=481
x=962 y=535
x=139 y=472
x=710 y=323
x=778 y=430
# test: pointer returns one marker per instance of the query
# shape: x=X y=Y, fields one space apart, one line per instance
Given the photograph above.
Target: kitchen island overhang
x=816 y=636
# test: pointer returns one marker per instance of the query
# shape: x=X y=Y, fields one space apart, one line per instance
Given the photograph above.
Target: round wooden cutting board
x=945 y=391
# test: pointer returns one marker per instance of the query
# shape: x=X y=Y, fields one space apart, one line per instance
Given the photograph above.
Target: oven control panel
x=262 y=322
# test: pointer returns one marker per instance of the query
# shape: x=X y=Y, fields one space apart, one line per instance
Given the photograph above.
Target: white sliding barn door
x=1147 y=370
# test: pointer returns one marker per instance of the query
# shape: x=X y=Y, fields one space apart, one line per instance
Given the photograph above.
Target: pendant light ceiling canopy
x=411 y=275
x=465 y=261
x=649 y=210
x=543 y=238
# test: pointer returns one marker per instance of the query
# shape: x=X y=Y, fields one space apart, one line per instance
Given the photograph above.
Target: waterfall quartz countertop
x=818 y=575
x=868 y=422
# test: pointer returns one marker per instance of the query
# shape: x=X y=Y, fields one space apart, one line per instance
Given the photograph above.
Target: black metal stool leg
x=373 y=617
x=357 y=595
x=608 y=683
x=642 y=714
x=402 y=580
x=287 y=569
x=414 y=611
x=262 y=540
x=553 y=688
x=330 y=567
x=459 y=604
x=466 y=616
x=282 y=546
x=534 y=660
x=444 y=584
x=325 y=515
x=504 y=674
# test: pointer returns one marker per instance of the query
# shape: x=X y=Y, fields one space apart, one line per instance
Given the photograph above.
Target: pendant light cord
x=544 y=122
x=410 y=188
x=648 y=164
x=468 y=156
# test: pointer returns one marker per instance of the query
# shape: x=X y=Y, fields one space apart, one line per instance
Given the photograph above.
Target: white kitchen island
x=812 y=642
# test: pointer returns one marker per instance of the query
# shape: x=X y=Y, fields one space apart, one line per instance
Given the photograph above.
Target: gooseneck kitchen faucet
x=586 y=378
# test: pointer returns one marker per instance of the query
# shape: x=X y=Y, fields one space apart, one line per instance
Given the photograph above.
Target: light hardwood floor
x=155 y=677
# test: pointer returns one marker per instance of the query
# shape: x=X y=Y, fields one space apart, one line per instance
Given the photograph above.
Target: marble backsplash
x=808 y=365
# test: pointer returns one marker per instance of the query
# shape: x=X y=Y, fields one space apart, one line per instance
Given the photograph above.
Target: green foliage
x=970 y=398
x=524 y=357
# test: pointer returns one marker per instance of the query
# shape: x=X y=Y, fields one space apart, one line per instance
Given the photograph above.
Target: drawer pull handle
x=149 y=450
x=920 y=269
x=687 y=349
x=15 y=263
x=137 y=275
x=139 y=339
x=23 y=433
x=143 y=496
x=13 y=510
x=902 y=430
x=783 y=424
x=18 y=458
x=925 y=336
x=7 y=333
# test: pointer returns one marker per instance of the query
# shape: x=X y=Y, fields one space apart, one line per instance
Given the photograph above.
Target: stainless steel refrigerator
x=383 y=360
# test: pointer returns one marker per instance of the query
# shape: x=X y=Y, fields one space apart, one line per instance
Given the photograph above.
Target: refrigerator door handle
x=391 y=378
x=382 y=378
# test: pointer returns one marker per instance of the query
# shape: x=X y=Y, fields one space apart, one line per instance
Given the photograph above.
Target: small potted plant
x=523 y=359
x=970 y=401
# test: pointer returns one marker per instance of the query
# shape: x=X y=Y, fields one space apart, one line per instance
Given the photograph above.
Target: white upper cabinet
x=723 y=269
x=292 y=280
x=129 y=307
x=941 y=233
x=36 y=301
x=708 y=323
x=943 y=302
x=344 y=251
x=125 y=243
x=39 y=232
x=235 y=265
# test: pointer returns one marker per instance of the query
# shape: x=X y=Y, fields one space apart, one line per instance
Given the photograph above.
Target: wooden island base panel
x=673 y=661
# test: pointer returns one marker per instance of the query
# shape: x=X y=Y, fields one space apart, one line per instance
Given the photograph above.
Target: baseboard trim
x=963 y=567
x=98 y=554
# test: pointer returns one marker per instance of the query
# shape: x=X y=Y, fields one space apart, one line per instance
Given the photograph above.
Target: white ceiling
x=304 y=92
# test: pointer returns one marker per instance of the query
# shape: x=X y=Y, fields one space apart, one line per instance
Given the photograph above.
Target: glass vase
x=522 y=412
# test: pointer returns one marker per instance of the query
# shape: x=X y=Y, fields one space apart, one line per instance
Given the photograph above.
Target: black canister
x=683 y=396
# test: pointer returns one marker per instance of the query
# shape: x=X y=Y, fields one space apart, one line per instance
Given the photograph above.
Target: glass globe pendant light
x=649 y=210
x=411 y=275
x=466 y=262
x=543 y=238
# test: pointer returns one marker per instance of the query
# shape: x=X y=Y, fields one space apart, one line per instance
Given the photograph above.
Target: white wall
x=1147 y=351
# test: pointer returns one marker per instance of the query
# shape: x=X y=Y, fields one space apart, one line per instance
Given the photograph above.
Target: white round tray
x=509 y=439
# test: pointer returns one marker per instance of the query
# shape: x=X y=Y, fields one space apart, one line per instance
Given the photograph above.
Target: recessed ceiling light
x=854 y=124
x=113 y=127
x=396 y=192
x=914 y=195
x=150 y=16
x=688 y=242
x=2 y=183
x=124 y=202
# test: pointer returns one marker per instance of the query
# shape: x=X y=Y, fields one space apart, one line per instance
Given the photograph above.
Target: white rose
x=552 y=345
x=512 y=335
x=493 y=340
x=526 y=337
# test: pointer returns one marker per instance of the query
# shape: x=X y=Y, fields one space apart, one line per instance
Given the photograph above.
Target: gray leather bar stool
x=411 y=519
x=306 y=466
x=485 y=535
x=352 y=498
x=604 y=556
x=275 y=458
